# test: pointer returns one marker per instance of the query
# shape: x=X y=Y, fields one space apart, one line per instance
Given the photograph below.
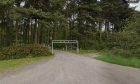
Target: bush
x=127 y=53
x=135 y=52
x=16 y=52
x=122 y=52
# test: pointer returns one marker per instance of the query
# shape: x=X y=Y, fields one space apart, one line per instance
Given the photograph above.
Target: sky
x=137 y=5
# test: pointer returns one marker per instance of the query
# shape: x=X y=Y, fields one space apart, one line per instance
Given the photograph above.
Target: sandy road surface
x=68 y=68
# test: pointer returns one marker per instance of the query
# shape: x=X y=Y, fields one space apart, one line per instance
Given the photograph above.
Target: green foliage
x=16 y=52
x=126 y=43
x=40 y=21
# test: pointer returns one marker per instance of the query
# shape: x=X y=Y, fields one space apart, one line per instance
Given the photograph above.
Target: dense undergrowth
x=125 y=43
x=23 y=51
x=129 y=39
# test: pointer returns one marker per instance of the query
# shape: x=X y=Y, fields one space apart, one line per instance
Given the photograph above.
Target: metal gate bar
x=66 y=42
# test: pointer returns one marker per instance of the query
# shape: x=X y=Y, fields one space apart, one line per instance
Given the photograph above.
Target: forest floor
x=69 y=68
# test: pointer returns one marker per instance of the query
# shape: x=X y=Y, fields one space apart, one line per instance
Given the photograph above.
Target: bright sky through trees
x=137 y=5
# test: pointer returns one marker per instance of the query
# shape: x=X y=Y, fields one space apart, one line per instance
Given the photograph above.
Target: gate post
x=52 y=48
x=77 y=47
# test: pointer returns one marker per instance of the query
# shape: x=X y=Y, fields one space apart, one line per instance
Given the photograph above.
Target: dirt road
x=68 y=68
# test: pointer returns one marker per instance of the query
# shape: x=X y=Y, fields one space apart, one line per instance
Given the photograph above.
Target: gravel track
x=68 y=68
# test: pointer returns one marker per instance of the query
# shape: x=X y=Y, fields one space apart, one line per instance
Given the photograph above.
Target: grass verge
x=131 y=62
x=82 y=52
x=18 y=63
x=114 y=59
x=87 y=51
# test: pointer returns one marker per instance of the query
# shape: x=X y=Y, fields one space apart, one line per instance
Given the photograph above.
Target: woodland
x=97 y=24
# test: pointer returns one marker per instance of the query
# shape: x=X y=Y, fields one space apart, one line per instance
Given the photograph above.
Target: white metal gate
x=65 y=42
